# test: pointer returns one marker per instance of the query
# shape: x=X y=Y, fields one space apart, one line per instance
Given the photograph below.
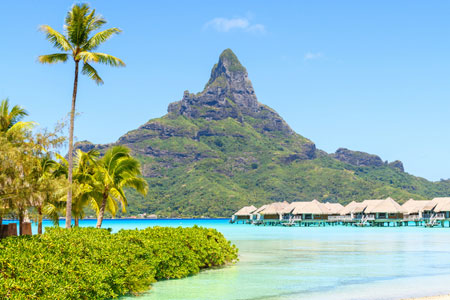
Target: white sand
x=443 y=297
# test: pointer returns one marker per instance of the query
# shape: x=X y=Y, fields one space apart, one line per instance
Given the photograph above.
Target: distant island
x=219 y=150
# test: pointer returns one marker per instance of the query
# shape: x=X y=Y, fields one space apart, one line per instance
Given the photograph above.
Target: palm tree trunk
x=72 y=119
x=21 y=222
x=77 y=222
x=101 y=212
x=39 y=220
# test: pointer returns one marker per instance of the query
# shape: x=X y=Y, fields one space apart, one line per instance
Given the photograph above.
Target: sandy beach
x=443 y=297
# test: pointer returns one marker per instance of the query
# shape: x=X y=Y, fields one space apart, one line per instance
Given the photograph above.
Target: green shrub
x=89 y=263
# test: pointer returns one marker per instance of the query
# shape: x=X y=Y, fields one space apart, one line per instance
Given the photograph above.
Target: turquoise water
x=278 y=263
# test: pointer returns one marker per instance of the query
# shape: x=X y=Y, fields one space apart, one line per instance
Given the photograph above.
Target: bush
x=89 y=263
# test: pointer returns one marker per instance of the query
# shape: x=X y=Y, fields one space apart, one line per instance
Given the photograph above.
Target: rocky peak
x=363 y=159
x=397 y=164
x=357 y=158
x=228 y=94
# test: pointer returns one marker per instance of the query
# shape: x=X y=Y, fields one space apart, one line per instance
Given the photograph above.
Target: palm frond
x=8 y=118
x=138 y=183
x=101 y=37
x=94 y=22
x=100 y=58
x=119 y=195
x=112 y=156
x=127 y=165
x=51 y=211
x=91 y=73
x=76 y=22
x=53 y=58
x=58 y=40
x=21 y=126
x=109 y=60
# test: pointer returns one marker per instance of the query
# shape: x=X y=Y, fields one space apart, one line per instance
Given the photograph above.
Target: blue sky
x=370 y=76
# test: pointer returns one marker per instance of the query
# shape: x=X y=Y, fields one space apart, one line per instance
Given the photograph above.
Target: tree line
x=34 y=178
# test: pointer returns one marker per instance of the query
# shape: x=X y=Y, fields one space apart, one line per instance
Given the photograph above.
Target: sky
x=372 y=76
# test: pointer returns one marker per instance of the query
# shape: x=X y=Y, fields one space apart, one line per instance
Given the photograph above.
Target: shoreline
x=440 y=297
x=128 y=218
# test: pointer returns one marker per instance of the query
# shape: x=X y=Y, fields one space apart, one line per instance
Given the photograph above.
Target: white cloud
x=313 y=55
x=226 y=25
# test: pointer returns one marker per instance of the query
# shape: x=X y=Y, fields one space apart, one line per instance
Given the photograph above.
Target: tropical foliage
x=79 y=43
x=89 y=263
x=33 y=177
x=26 y=165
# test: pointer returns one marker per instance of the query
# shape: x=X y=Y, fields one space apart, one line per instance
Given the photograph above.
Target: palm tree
x=50 y=187
x=10 y=118
x=84 y=192
x=117 y=170
x=77 y=43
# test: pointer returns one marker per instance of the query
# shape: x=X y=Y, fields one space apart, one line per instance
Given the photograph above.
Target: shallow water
x=278 y=263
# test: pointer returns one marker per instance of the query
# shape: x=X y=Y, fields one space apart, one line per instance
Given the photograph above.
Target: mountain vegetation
x=220 y=149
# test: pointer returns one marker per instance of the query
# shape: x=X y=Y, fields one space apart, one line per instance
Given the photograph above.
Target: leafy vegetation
x=27 y=167
x=89 y=263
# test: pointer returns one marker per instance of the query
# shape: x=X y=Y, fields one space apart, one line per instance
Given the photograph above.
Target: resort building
x=312 y=212
x=378 y=212
x=244 y=214
x=256 y=216
x=441 y=212
x=383 y=211
x=272 y=213
x=351 y=212
x=291 y=213
x=417 y=210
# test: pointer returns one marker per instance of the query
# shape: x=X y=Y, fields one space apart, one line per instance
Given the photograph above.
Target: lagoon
x=336 y=263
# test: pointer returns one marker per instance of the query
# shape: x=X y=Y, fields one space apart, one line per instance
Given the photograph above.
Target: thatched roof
x=313 y=207
x=387 y=205
x=245 y=211
x=430 y=205
x=334 y=208
x=274 y=208
x=443 y=204
x=367 y=205
x=292 y=206
x=348 y=209
x=415 y=206
x=260 y=209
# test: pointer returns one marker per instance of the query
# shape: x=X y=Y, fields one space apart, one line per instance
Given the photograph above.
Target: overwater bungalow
x=256 y=216
x=291 y=213
x=441 y=212
x=417 y=210
x=383 y=211
x=351 y=213
x=244 y=214
x=272 y=213
x=312 y=212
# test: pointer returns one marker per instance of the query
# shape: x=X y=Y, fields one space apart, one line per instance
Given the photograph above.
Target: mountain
x=220 y=149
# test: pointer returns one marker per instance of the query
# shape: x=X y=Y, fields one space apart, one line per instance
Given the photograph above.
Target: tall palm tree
x=10 y=118
x=77 y=43
x=117 y=170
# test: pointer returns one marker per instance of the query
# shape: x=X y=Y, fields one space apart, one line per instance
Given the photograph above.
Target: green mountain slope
x=221 y=149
